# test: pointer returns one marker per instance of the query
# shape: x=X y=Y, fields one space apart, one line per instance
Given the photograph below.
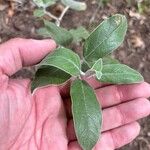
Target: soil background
x=17 y=20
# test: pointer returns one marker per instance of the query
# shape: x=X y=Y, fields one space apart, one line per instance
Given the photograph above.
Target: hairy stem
x=61 y=16
x=57 y=20
x=94 y=14
x=50 y=15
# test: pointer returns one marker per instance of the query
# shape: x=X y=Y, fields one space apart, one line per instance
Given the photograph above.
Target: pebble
x=2 y=7
x=148 y=133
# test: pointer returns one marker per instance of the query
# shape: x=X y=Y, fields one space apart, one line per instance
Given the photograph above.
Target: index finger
x=17 y=53
x=116 y=94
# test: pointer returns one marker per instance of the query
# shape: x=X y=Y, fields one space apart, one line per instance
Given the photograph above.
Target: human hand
x=28 y=122
x=39 y=121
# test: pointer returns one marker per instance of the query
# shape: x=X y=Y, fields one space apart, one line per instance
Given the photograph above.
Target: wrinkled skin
x=39 y=121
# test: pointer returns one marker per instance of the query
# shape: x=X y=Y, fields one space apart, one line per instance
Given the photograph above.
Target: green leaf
x=108 y=36
x=87 y=114
x=44 y=3
x=79 y=34
x=39 y=3
x=39 y=12
x=120 y=74
x=109 y=60
x=98 y=74
x=46 y=75
x=60 y=35
x=65 y=60
x=97 y=67
x=79 y=6
x=105 y=60
x=43 y=32
x=49 y=2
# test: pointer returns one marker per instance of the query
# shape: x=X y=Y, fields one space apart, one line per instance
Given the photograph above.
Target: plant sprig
x=63 y=64
x=52 y=28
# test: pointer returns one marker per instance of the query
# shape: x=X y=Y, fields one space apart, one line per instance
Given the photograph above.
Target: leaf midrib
x=67 y=60
x=60 y=67
x=107 y=37
x=87 y=114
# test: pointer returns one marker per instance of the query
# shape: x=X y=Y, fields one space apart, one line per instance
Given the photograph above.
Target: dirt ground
x=135 y=52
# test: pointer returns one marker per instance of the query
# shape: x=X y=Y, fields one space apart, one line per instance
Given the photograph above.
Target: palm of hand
x=40 y=122
x=31 y=122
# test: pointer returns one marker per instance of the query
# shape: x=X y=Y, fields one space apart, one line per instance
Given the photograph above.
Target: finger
x=118 y=137
x=113 y=139
x=16 y=53
x=71 y=131
x=125 y=113
x=119 y=115
x=51 y=121
x=95 y=83
x=115 y=94
x=74 y=145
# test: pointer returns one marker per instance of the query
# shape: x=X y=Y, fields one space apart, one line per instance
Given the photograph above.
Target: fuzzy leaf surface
x=39 y=12
x=108 y=36
x=87 y=114
x=76 y=5
x=97 y=67
x=46 y=75
x=120 y=74
x=64 y=59
x=43 y=32
x=60 y=35
x=108 y=60
x=44 y=3
x=79 y=34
